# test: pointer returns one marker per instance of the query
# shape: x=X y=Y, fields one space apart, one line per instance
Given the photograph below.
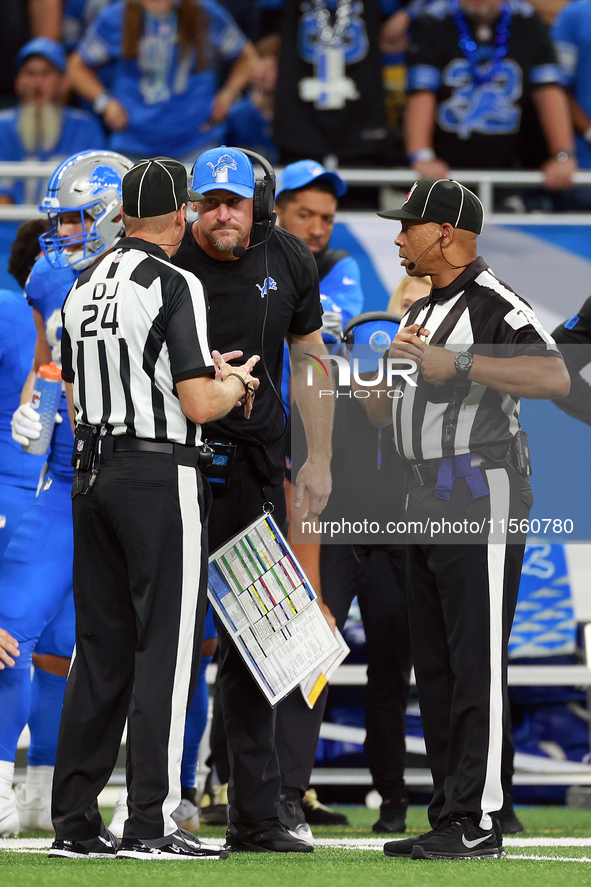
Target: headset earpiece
x=264 y=192
x=263 y=200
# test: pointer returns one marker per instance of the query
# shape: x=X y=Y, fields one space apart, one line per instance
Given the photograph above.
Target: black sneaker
x=392 y=817
x=266 y=836
x=459 y=838
x=404 y=848
x=104 y=846
x=292 y=817
x=319 y=814
x=510 y=822
x=179 y=845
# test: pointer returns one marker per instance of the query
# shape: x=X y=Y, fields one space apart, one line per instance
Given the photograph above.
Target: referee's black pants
x=461 y=603
x=140 y=570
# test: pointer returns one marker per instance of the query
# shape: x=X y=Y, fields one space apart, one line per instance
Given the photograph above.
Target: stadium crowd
x=96 y=87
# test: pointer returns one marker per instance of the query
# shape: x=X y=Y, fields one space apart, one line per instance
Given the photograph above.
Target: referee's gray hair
x=154 y=224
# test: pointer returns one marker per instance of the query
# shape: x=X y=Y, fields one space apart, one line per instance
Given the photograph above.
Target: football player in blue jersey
x=36 y=608
x=19 y=471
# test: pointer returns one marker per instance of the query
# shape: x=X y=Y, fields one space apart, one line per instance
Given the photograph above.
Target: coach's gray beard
x=39 y=126
x=225 y=246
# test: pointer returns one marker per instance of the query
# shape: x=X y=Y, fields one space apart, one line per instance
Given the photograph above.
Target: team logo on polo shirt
x=269 y=284
x=220 y=169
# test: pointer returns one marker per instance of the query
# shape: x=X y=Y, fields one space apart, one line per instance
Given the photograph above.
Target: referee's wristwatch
x=463 y=363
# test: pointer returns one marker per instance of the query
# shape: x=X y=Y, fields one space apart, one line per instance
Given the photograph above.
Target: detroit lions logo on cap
x=220 y=169
x=269 y=284
x=314 y=169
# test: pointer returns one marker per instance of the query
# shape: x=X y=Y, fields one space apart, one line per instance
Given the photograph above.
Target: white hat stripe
x=461 y=187
x=171 y=179
x=139 y=190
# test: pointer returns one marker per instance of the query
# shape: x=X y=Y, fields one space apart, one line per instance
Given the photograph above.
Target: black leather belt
x=125 y=443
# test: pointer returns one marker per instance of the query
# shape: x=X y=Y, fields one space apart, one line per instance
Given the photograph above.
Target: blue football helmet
x=88 y=183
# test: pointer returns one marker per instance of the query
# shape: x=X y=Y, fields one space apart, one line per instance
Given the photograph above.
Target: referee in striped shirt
x=478 y=348
x=141 y=380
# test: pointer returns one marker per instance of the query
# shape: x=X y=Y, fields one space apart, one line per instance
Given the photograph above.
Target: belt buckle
x=416 y=470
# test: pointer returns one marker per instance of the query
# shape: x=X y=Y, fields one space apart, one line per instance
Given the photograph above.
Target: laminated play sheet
x=271 y=611
x=313 y=685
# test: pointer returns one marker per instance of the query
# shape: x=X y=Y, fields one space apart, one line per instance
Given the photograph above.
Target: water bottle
x=47 y=393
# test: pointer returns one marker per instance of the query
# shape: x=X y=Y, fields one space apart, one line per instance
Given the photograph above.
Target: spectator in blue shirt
x=40 y=127
x=165 y=95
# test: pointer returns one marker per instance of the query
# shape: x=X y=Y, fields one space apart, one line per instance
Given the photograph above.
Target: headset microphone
x=240 y=251
x=412 y=265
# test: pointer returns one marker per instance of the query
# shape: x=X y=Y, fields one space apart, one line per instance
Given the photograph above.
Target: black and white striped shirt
x=477 y=313
x=134 y=326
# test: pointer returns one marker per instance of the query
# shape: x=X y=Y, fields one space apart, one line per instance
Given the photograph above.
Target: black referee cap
x=440 y=200
x=156 y=187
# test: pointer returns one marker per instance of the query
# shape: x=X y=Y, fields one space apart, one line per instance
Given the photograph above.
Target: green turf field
x=558 y=851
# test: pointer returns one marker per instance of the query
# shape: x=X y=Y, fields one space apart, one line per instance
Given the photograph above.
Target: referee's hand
x=250 y=382
x=408 y=344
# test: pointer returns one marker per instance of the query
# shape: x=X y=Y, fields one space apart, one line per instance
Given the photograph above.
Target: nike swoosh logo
x=471 y=844
x=104 y=840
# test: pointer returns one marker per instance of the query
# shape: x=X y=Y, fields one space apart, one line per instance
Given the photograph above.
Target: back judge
x=140 y=379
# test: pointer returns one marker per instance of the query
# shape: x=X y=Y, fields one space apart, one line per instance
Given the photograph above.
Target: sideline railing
x=485 y=181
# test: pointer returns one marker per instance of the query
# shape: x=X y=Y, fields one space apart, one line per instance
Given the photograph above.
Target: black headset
x=264 y=192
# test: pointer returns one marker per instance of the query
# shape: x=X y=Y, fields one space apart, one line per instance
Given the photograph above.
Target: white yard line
x=42 y=845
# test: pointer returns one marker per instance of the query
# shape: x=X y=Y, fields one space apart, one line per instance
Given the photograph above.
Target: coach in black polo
x=140 y=378
x=262 y=285
x=478 y=347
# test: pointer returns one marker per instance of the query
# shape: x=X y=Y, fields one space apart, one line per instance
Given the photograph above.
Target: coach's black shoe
x=459 y=838
x=404 y=848
x=291 y=816
x=266 y=836
x=392 y=819
x=180 y=845
x=104 y=846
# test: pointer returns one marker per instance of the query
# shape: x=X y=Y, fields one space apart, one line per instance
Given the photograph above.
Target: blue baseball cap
x=304 y=172
x=370 y=340
x=223 y=168
x=45 y=47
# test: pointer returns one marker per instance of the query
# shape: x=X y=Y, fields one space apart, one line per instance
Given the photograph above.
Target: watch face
x=463 y=361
